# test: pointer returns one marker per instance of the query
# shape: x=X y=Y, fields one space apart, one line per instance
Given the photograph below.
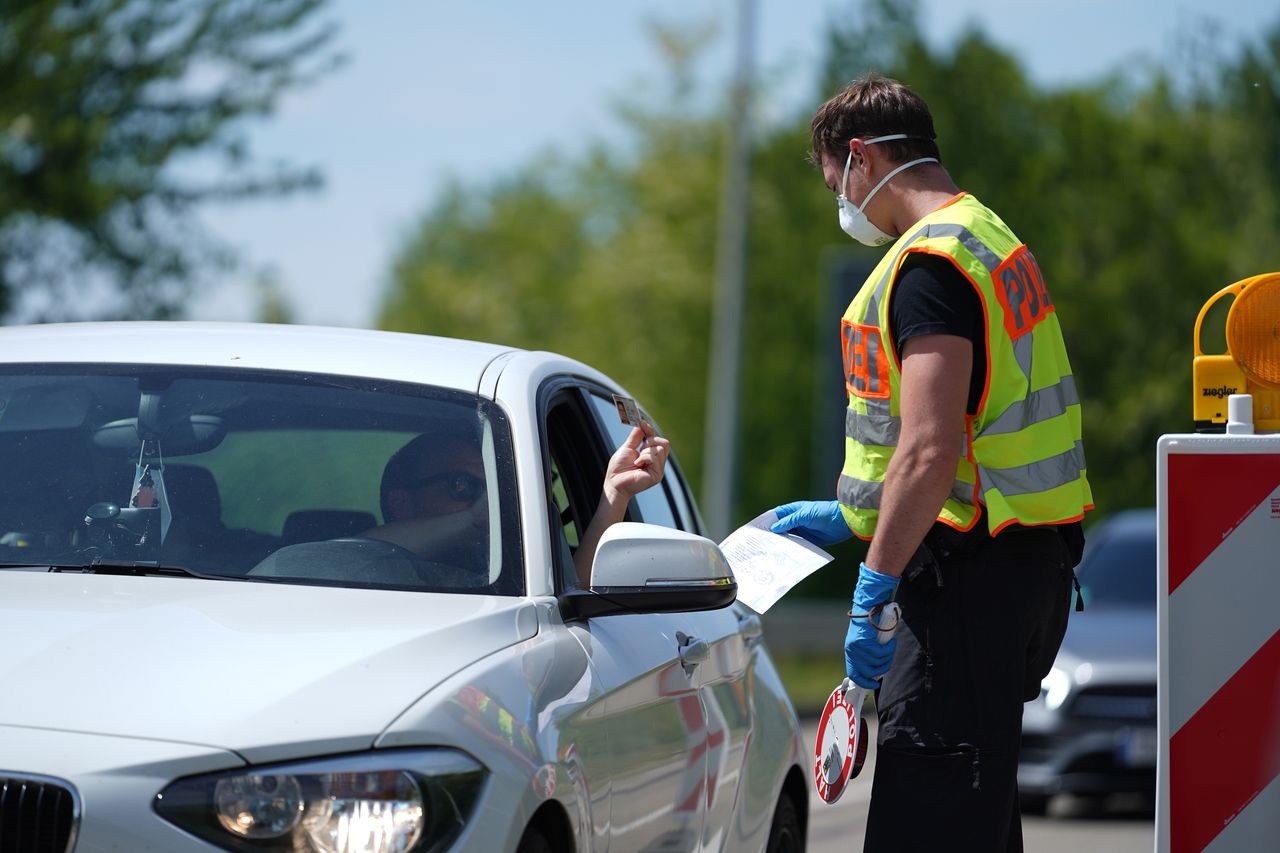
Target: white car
x=212 y=640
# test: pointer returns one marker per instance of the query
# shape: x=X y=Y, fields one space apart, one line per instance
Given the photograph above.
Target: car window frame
x=566 y=392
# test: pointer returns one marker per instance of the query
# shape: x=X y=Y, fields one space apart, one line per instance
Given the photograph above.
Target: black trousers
x=982 y=627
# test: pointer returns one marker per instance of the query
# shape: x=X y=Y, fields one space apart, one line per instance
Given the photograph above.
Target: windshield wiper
x=137 y=568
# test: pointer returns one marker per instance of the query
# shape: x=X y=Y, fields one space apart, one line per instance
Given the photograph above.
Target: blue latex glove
x=865 y=660
x=820 y=522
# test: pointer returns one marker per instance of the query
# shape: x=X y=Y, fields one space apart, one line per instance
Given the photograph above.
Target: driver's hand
x=634 y=468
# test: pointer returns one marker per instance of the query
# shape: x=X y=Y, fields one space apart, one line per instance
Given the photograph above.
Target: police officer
x=964 y=468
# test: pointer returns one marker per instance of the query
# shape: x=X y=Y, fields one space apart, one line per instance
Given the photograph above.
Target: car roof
x=446 y=362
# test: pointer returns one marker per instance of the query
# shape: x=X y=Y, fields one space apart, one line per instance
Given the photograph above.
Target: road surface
x=1072 y=825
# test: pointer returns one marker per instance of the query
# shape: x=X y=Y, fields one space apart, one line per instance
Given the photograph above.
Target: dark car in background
x=1092 y=731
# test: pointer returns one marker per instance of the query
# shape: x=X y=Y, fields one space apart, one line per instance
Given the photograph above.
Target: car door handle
x=692 y=651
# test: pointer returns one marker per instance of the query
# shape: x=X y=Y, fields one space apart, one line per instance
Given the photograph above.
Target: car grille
x=37 y=815
x=1136 y=703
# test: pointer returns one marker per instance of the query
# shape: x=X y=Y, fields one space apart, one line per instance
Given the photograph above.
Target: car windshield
x=256 y=475
x=1121 y=570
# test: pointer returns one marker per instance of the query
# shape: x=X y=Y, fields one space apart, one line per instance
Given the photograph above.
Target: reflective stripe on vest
x=867 y=493
x=1042 y=405
x=1035 y=477
x=876 y=427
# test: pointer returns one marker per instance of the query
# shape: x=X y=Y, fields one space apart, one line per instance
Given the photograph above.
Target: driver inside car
x=434 y=502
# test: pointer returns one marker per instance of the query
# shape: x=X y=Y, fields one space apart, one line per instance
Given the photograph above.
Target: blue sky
x=474 y=89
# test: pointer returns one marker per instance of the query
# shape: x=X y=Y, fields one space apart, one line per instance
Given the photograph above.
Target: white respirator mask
x=853 y=220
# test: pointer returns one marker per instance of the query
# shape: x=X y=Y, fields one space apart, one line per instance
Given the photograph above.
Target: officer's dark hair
x=873 y=105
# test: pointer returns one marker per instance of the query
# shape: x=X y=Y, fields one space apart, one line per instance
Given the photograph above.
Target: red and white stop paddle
x=841 y=747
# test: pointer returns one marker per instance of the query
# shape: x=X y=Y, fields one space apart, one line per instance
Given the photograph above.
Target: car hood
x=1122 y=637
x=270 y=671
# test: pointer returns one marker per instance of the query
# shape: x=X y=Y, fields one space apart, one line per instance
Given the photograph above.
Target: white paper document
x=766 y=565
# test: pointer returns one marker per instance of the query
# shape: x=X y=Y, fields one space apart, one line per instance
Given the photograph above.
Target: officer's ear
x=859 y=150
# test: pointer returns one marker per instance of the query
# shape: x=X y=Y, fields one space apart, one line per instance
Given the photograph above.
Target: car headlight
x=1055 y=687
x=382 y=802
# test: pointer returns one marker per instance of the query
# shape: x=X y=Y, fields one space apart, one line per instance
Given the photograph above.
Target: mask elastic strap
x=886 y=178
x=891 y=136
x=848 y=160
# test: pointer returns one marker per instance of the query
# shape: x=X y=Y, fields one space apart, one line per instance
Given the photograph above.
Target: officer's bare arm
x=935 y=389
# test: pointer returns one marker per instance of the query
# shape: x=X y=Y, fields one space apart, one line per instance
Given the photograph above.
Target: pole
x=720 y=442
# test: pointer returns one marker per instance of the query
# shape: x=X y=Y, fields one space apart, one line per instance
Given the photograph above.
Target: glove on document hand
x=820 y=522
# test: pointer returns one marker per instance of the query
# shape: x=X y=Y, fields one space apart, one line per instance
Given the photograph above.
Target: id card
x=628 y=411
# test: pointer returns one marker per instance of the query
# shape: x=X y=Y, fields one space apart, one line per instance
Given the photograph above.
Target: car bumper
x=1102 y=761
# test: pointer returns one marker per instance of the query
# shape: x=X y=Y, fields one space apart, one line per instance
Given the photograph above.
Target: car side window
x=575 y=474
x=680 y=496
x=564 y=512
x=655 y=504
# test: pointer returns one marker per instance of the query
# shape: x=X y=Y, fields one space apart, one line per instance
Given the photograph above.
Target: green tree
x=100 y=100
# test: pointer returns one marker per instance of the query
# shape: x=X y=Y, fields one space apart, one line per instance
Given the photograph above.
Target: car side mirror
x=644 y=568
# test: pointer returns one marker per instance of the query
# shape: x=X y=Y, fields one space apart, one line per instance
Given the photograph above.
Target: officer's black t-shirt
x=932 y=297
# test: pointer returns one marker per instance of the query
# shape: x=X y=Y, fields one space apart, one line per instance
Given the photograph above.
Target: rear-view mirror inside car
x=181 y=437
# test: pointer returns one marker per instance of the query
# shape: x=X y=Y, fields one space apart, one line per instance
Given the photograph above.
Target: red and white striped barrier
x=1219 y=623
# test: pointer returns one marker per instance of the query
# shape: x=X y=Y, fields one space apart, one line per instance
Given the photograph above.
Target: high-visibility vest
x=1022 y=454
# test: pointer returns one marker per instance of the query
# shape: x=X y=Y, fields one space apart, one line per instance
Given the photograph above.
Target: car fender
x=533 y=715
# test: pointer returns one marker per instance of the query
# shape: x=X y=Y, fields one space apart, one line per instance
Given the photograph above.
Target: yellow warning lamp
x=1251 y=364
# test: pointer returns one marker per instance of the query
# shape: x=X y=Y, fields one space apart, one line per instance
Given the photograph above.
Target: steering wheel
x=362 y=559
